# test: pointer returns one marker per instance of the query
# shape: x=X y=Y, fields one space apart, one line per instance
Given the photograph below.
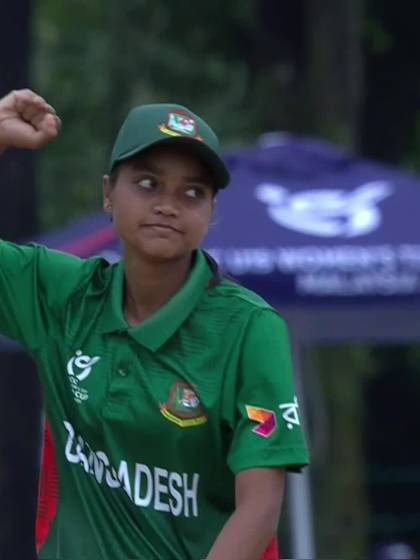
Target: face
x=161 y=203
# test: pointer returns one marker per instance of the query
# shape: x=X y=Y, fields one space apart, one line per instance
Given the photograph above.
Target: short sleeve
x=267 y=429
x=35 y=284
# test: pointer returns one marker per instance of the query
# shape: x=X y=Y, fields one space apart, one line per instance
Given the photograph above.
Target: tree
x=18 y=207
x=391 y=117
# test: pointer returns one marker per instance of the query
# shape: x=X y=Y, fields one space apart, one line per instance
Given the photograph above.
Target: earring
x=109 y=210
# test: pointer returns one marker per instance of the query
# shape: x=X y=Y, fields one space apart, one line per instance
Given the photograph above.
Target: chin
x=156 y=250
x=162 y=255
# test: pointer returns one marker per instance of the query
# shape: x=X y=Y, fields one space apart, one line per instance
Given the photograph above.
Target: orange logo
x=267 y=422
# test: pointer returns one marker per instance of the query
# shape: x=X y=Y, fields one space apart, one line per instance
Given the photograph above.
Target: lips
x=161 y=226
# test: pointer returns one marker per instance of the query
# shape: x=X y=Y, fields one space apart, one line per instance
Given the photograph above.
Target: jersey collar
x=154 y=332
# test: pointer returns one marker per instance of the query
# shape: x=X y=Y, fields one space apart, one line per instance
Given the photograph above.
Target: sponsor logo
x=290 y=414
x=147 y=487
x=326 y=212
x=267 y=422
x=180 y=124
x=79 y=367
x=183 y=406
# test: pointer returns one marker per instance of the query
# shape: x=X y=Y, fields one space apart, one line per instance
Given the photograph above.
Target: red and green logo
x=183 y=406
x=267 y=422
x=180 y=124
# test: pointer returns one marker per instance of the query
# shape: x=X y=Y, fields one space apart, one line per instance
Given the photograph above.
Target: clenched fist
x=26 y=121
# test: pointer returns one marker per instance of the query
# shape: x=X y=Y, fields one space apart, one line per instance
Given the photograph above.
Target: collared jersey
x=150 y=424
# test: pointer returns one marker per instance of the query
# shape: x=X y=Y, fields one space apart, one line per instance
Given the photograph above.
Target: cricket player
x=168 y=388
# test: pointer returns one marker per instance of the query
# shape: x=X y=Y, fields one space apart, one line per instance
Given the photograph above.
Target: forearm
x=246 y=535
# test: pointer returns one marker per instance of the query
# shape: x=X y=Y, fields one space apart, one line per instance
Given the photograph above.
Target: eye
x=196 y=192
x=147 y=183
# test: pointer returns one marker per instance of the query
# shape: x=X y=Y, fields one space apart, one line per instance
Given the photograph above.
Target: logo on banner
x=326 y=212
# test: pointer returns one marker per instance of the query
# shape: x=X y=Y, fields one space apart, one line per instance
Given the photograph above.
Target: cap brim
x=210 y=158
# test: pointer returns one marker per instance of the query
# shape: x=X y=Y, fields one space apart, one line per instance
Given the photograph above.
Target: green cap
x=152 y=125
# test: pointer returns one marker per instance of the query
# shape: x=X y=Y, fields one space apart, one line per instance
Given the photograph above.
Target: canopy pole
x=300 y=512
x=298 y=485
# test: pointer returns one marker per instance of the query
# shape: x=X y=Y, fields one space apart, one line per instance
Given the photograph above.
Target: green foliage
x=378 y=40
x=338 y=381
x=95 y=60
x=336 y=374
x=70 y=71
x=245 y=74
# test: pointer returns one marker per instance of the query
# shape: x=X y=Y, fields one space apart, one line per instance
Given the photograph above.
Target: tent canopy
x=306 y=222
x=302 y=222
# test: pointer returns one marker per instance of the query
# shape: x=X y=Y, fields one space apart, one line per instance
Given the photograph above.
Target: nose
x=166 y=206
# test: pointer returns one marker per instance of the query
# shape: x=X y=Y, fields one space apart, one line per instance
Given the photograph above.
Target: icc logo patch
x=79 y=367
x=183 y=406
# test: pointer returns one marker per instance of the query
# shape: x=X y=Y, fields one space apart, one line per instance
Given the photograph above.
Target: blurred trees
x=319 y=67
x=361 y=405
x=391 y=116
x=18 y=208
x=334 y=79
x=95 y=61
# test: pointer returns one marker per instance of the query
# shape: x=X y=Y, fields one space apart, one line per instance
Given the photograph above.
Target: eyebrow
x=151 y=168
x=140 y=165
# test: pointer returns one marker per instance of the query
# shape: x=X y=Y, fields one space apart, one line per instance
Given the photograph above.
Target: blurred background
x=342 y=74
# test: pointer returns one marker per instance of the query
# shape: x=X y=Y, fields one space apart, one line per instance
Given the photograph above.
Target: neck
x=150 y=285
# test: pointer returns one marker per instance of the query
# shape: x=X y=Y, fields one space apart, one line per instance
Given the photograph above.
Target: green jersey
x=152 y=423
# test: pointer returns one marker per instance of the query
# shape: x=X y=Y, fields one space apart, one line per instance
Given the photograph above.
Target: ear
x=107 y=194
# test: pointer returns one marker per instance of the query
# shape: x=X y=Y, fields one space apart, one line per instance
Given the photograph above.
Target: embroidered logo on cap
x=267 y=422
x=183 y=407
x=180 y=124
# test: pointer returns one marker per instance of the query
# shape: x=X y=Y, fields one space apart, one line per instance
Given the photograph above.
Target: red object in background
x=48 y=490
x=272 y=551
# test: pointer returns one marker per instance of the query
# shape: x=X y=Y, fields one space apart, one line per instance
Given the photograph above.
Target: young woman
x=168 y=389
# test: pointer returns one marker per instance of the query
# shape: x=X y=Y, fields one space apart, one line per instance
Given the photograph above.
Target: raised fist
x=26 y=121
